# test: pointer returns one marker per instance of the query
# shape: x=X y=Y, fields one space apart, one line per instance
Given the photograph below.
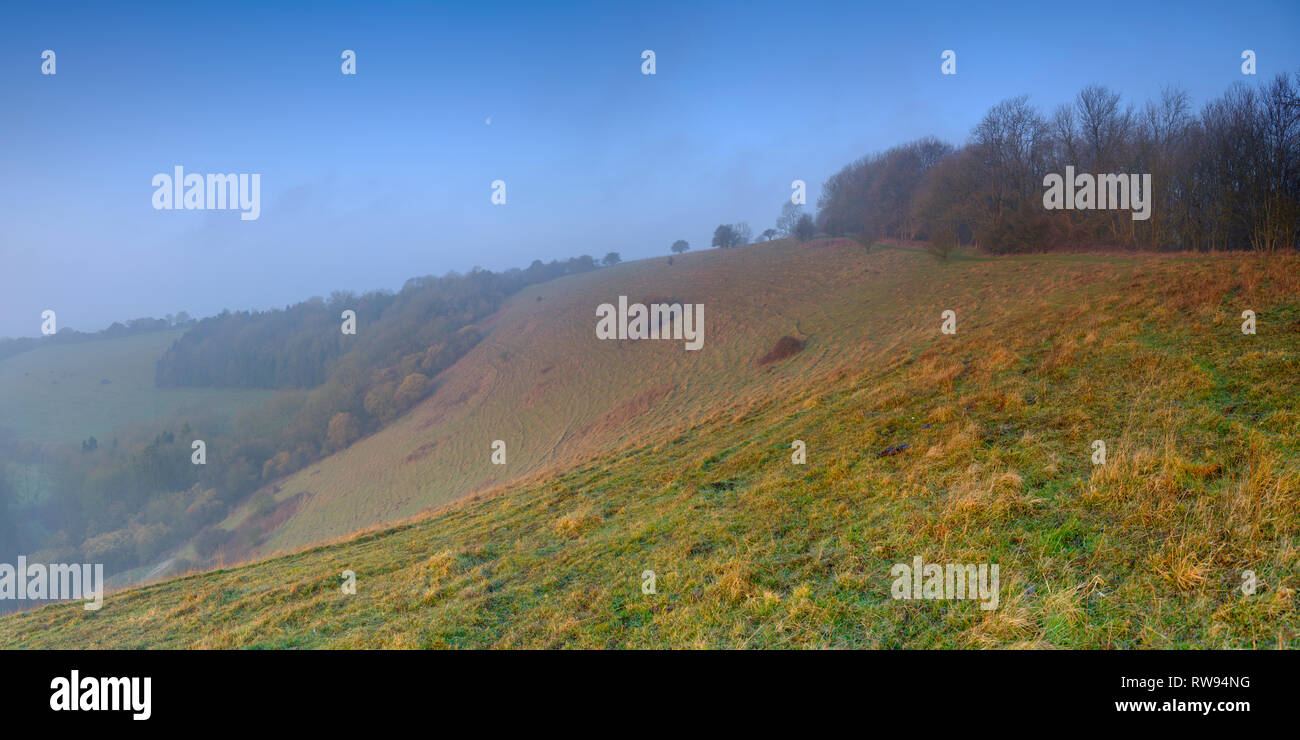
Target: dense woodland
x=1225 y=177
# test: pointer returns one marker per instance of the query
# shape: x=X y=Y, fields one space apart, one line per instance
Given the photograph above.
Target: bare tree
x=1226 y=178
x=790 y=212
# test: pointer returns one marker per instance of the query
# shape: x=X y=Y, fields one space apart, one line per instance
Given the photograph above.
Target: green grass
x=1202 y=480
x=71 y=392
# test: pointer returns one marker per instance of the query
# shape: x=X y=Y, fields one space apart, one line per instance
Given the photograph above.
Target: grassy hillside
x=545 y=385
x=634 y=456
x=66 y=393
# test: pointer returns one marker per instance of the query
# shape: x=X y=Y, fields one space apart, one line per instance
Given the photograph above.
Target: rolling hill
x=546 y=386
x=632 y=456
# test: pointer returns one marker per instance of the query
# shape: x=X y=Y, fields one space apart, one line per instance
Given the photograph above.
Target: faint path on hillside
x=159 y=568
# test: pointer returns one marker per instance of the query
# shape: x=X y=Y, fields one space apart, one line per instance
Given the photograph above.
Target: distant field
x=965 y=448
x=72 y=392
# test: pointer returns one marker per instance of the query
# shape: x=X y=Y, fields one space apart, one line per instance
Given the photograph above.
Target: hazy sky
x=370 y=179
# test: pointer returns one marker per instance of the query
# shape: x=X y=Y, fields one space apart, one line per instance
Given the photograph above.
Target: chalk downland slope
x=543 y=383
x=626 y=457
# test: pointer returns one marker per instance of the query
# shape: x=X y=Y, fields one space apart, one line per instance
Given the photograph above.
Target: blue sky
x=372 y=179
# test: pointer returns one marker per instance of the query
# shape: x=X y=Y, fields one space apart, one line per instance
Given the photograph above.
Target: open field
x=71 y=392
x=634 y=456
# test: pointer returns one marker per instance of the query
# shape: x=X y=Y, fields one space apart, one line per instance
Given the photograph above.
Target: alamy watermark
x=922 y=580
x=93 y=694
x=1086 y=192
x=656 y=321
x=54 y=582
x=195 y=192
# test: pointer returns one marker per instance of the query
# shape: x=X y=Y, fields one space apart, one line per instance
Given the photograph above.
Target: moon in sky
x=488 y=120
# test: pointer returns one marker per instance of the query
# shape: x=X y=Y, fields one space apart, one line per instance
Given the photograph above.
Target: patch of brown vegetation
x=423 y=450
x=785 y=347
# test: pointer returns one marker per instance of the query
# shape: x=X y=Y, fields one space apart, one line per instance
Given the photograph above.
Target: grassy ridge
x=1051 y=353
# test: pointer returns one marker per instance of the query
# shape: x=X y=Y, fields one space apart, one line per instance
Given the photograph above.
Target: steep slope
x=555 y=394
x=967 y=448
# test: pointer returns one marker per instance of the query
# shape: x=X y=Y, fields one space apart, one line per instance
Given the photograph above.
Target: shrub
x=785 y=347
